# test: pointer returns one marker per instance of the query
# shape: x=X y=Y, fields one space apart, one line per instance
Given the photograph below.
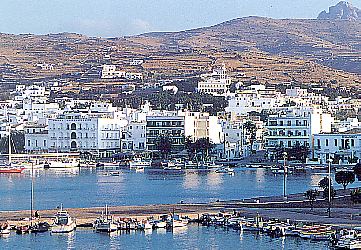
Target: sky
x=113 y=18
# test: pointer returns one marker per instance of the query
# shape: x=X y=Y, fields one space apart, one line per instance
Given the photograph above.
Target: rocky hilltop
x=341 y=11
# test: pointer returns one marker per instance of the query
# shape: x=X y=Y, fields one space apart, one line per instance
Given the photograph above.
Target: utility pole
x=329 y=187
x=284 y=176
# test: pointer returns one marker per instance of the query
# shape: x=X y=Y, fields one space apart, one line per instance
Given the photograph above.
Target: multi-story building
x=98 y=133
x=255 y=98
x=217 y=83
x=344 y=148
x=295 y=127
x=36 y=137
x=134 y=137
x=170 y=126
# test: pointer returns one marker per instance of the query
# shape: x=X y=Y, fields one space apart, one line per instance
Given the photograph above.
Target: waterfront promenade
x=295 y=208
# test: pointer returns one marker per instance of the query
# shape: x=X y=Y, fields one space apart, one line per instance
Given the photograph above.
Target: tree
x=357 y=171
x=356 y=195
x=164 y=146
x=190 y=147
x=344 y=178
x=324 y=183
x=250 y=129
x=311 y=195
x=325 y=193
x=203 y=145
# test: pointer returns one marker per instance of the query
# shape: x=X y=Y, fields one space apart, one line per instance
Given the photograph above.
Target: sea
x=94 y=188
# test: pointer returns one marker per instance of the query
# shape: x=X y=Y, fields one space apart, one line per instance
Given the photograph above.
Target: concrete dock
x=294 y=208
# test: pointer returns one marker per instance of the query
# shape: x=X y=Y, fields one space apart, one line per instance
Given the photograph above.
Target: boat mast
x=9 y=144
x=32 y=194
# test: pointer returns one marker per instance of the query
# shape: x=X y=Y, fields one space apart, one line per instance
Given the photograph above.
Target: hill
x=264 y=49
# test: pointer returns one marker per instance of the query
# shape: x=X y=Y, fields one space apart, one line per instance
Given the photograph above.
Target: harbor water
x=191 y=237
x=95 y=188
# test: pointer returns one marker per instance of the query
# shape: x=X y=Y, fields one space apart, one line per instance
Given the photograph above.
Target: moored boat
x=11 y=170
x=105 y=223
x=4 y=229
x=63 y=223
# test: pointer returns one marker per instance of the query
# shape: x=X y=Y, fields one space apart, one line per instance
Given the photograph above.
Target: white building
x=36 y=137
x=217 y=83
x=111 y=72
x=255 y=98
x=85 y=132
x=295 y=127
x=345 y=147
x=134 y=137
x=171 y=88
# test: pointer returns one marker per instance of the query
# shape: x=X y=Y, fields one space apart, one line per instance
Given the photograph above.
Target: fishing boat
x=63 y=223
x=4 y=229
x=105 y=223
x=23 y=229
x=146 y=225
x=40 y=227
x=160 y=224
x=177 y=221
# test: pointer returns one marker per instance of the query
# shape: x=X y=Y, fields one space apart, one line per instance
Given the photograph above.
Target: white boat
x=139 y=169
x=105 y=223
x=63 y=222
x=282 y=171
x=108 y=164
x=146 y=225
x=349 y=243
x=138 y=163
x=64 y=163
x=177 y=221
x=226 y=170
x=160 y=224
x=4 y=229
x=169 y=165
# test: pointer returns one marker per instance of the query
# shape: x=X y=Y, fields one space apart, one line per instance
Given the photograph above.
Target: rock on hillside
x=341 y=11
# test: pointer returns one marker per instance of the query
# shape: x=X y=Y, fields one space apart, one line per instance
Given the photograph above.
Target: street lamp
x=284 y=175
x=330 y=160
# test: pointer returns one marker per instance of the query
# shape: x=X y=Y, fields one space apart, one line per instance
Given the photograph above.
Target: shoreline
x=296 y=208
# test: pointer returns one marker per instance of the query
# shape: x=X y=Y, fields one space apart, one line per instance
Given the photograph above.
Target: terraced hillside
x=261 y=48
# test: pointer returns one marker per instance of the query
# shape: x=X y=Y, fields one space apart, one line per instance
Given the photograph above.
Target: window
x=352 y=143
x=326 y=142
x=335 y=142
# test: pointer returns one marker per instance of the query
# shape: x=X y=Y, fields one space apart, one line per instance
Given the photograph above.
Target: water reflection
x=214 y=180
x=260 y=177
x=177 y=231
x=191 y=180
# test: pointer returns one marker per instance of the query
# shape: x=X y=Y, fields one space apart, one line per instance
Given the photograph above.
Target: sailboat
x=10 y=168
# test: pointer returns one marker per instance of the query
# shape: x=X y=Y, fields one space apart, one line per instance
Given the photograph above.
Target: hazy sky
x=109 y=18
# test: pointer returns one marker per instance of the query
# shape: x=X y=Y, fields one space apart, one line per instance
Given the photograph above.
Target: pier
x=295 y=208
